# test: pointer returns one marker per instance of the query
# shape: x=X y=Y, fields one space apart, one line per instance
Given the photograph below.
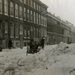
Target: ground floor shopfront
x=20 y=32
x=54 y=38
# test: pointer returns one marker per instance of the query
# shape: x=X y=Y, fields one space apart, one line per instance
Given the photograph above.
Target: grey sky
x=63 y=8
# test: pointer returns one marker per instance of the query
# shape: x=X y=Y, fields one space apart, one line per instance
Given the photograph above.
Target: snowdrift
x=45 y=58
x=64 y=48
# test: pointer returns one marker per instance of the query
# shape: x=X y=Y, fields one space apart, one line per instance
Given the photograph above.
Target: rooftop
x=41 y=3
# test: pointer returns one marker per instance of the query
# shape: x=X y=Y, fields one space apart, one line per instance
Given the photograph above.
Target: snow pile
x=64 y=48
x=18 y=64
x=22 y=65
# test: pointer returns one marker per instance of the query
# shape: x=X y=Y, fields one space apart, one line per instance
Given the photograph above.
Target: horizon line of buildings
x=21 y=20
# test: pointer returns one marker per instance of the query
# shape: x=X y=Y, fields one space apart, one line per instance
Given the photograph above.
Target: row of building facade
x=21 y=20
x=59 y=30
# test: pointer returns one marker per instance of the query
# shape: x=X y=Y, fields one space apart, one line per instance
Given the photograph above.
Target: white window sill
x=5 y=14
x=21 y=33
x=11 y=16
x=6 y=32
x=24 y=37
x=11 y=36
x=16 y=37
x=21 y=19
x=16 y=17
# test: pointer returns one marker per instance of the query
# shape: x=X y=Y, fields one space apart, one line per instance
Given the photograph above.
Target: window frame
x=6 y=7
x=12 y=29
x=16 y=29
x=12 y=7
x=16 y=10
x=20 y=12
x=1 y=6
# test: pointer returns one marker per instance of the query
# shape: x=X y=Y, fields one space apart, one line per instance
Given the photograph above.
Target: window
x=42 y=20
x=41 y=9
x=16 y=30
x=6 y=7
x=28 y=33
x=11 y=9
x=6 y=27
x=24 y=13
x=24 y=33
x=11 y=29
x=20 y=12
x=24 y=1
x=34 y=17
x=39 y=19
x=1 y=29
x=0 y=6
x=31 y=15
x=16 y=10
x=45 y=21
x=28 y=14
x=31 y=3
x=31 y=28
x=45 y=10
x=34 y=5
x=21 y=29
x=37 y=6
x=28 y=2
x=21 y=1
x=37 y=32
x=34 y=32
x=42 y=31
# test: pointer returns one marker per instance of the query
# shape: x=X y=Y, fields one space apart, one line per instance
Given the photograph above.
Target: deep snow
x=53 y=60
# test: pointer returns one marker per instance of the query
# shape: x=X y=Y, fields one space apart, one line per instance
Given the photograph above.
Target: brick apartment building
x=21 y=20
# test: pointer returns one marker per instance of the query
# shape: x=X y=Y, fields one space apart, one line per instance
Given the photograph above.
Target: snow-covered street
x=53 y=60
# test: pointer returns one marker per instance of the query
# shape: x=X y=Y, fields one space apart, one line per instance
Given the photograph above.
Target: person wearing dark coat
x=42 y=42
x=10 y=44
x=31 y=45
x=35 y=47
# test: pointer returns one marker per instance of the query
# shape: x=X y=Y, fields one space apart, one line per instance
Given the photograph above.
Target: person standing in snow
x=31 y=45
x=35 y=47
x=10 y=44
x=42 y=42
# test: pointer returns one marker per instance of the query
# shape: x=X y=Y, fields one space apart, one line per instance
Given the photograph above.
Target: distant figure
x=10 y=44
x=35 y=47
x=42 y=42
x=31 y=45
x=0 y=48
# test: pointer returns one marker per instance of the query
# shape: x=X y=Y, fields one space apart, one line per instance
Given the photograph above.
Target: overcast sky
x=63 y=8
